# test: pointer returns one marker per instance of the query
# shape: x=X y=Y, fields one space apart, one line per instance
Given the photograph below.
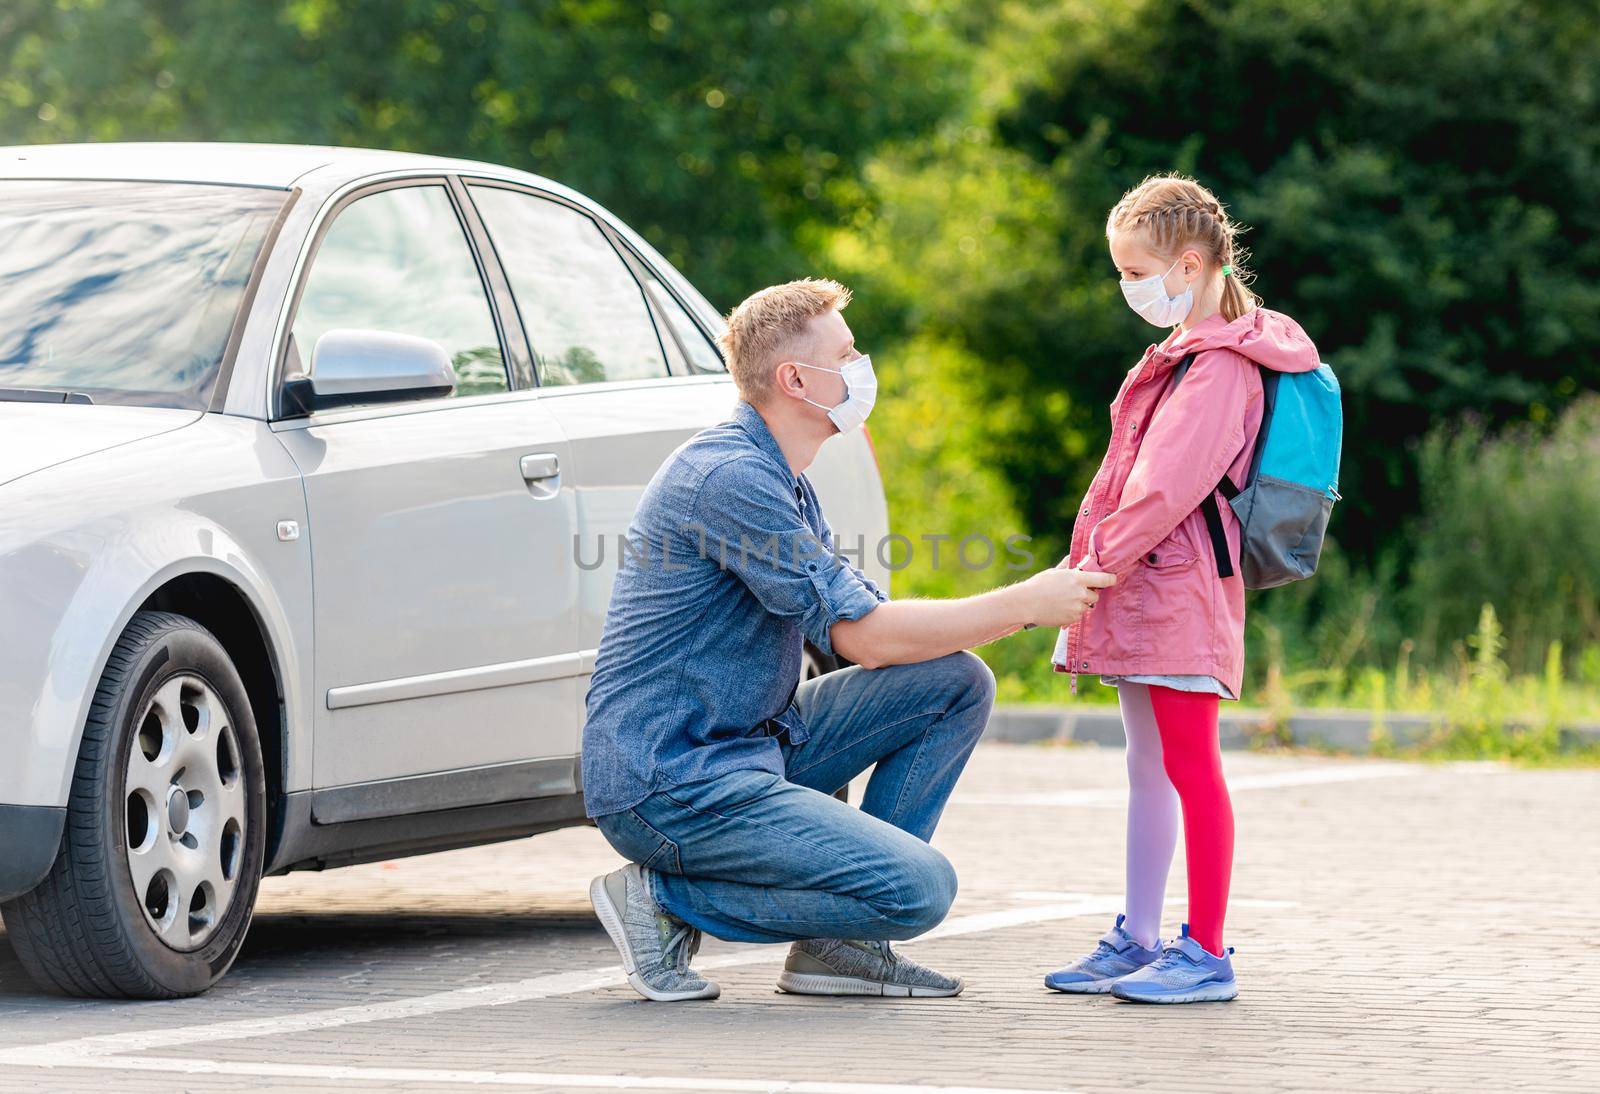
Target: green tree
x=721 y=130
x=1416 y=173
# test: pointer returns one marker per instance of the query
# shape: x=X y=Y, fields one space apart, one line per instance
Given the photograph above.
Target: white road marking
x=107 y=1048
x=109 y=1052
x=1233 y=902
x=1310 y=776
x=438 y=1076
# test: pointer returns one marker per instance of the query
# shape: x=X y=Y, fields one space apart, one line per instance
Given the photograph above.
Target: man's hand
x=1061 y=596
x=900 y=632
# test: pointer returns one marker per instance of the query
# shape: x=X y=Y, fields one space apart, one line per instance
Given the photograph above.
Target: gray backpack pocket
x=1282 y=527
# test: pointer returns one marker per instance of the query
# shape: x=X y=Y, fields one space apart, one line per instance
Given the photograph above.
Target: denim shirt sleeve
x=828 y=538
x=750 y=518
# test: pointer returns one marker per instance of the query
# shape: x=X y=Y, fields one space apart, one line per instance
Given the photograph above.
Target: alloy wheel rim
x=184 y=809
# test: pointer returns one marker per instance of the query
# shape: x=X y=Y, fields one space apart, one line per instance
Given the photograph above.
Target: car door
x=601 y=350
x=441 y=536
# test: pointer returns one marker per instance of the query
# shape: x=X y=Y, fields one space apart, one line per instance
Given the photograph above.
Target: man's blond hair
x=763 y=328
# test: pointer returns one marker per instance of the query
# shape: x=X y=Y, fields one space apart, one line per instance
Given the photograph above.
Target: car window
x=702 y=355
x=124 y=291
x=585 y=314
x=399 y=261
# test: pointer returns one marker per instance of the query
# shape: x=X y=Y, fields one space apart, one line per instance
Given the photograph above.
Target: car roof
x=271 y=165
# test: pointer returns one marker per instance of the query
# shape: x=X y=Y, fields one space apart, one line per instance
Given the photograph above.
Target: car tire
x=171 y=694
x=814 y=663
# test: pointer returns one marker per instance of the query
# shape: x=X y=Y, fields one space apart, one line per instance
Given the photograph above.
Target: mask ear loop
x=813 y=402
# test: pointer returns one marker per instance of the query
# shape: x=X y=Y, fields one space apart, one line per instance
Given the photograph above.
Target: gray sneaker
x=823 y=966
x=656 y=947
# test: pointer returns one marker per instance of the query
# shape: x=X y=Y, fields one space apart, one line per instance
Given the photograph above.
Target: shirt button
x=1085 y=664
x=1151 y=558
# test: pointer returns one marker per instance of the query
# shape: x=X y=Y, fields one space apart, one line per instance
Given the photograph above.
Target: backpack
x=1284 y=504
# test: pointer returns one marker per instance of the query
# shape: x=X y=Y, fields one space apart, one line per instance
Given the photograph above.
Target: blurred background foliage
x=1417 y=176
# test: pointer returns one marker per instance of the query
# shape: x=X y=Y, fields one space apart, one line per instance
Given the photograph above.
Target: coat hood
x=1267 y=337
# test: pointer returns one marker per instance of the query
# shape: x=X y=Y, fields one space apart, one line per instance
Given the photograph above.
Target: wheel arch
x=223 y=608
x=77 y=615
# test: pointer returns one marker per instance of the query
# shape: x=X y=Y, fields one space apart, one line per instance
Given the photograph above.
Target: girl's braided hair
x=1174 y=213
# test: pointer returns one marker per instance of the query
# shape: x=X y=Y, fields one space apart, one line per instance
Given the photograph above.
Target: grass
x=1485 y=711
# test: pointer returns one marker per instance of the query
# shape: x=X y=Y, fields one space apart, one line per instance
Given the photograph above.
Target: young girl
x=1170 y=634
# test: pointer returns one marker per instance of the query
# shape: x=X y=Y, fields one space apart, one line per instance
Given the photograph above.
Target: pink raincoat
x=1169 y=613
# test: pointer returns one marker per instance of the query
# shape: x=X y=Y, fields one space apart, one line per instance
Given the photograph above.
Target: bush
x=1512 y=521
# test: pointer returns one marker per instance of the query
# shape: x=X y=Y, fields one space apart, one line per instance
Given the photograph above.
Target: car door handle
x=542 y=472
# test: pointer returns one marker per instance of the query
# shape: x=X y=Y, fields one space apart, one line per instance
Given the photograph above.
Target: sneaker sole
x=1083 y=987
x=1211 y=993
x=810 y=983
x=611 y=919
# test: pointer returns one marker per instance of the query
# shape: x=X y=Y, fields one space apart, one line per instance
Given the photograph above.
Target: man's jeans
x=754 y=857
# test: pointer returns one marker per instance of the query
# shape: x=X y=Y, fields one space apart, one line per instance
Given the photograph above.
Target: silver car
x=314 y=464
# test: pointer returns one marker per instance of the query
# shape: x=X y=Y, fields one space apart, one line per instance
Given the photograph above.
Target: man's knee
x=972 y=685
x=924 y=890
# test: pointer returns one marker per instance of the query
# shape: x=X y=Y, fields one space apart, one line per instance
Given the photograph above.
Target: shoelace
x=1172 y=956
x=681 y=947
x=889 y=956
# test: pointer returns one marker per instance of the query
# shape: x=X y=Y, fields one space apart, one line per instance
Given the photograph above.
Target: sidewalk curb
x=1336 y=730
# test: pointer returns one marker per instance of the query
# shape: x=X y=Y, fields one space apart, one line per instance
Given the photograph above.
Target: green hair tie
x=1226 y=270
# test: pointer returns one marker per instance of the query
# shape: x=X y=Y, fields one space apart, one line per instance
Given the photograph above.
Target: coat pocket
x=1167 y=585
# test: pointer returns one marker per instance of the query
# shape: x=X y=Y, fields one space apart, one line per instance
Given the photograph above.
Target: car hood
x=34 y=436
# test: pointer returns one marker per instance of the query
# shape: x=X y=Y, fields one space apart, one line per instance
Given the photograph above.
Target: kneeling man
x=708 y=768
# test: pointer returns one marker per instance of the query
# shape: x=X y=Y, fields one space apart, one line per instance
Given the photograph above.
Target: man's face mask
x=1148 y=297
x=861 y=392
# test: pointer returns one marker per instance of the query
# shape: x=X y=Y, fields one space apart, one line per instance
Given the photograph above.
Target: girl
x=1170 y=634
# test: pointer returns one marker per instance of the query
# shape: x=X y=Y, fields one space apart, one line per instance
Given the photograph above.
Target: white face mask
x=1149 y=298
x=861 y=392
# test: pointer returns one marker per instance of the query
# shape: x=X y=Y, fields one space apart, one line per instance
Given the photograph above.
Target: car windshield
x=123 y=292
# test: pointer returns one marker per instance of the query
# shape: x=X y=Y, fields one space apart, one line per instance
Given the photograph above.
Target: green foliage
x=1513 y=521
x=1417 y=175
x=718 y=130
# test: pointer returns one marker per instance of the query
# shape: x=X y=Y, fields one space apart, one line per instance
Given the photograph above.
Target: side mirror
x=354 y=367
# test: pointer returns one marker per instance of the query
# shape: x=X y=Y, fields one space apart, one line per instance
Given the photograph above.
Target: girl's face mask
x=1148 y=297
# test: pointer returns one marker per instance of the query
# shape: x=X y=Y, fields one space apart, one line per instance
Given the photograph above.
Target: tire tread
x=66 y=931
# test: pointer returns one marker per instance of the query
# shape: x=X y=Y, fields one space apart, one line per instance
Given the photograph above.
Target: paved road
x=1399 y=927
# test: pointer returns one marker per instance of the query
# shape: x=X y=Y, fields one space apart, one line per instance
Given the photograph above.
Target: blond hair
x=1172 y=214
x=764 y=326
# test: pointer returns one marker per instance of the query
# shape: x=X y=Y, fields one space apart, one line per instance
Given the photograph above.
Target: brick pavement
x=1410 y=928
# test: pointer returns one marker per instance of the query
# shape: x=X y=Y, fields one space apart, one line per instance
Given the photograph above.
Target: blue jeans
x=755 y=857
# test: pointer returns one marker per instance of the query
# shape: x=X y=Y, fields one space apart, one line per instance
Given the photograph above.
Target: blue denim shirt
x=728 y=567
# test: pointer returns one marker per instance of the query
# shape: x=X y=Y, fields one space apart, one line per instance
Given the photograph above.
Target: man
x=706 y=767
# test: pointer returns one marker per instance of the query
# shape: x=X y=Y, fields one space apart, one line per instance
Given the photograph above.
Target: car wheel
x=153 y=888
x=814 y=663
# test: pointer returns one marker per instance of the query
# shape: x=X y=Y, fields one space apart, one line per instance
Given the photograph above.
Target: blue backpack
x=1284 y=504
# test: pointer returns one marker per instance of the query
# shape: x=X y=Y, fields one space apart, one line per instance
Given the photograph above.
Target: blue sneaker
x=1186 y=973
x=1118 y=954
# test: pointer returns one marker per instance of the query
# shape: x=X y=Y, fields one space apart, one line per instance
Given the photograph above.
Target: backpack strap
x=1208 y=507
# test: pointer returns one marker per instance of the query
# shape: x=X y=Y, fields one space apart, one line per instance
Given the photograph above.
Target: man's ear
x=786 y=379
